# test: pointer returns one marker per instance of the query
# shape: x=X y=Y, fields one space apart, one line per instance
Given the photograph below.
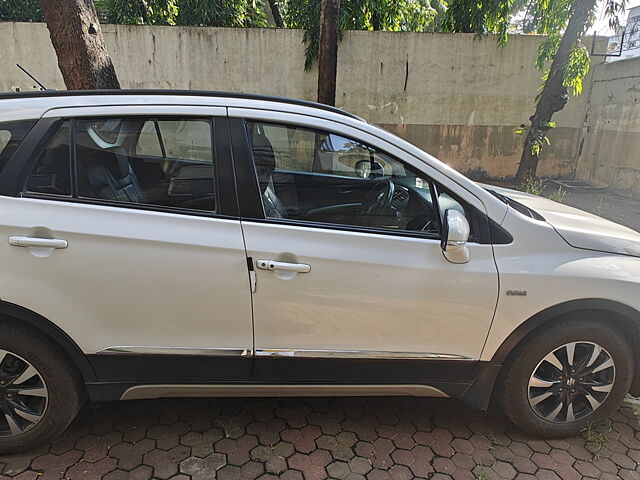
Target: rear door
x=134 y=251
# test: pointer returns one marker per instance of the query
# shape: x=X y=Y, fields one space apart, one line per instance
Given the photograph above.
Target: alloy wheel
x=23 y=395
x=571 y=382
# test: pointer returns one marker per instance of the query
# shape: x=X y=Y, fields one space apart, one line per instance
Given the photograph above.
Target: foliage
x=558 y=195
x=149 y=12
x=389 y=15
x=538 y=136
x=222 y=13
x=551 y=21
x=595 y=438
x=480 y=17
x=532 y=185
x=551 y=18
x=576 y=68
x=219 y=13
x=536 y=186
x=20 y=11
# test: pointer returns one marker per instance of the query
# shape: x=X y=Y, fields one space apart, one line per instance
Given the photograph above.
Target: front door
x=123 y=240
x=351 y=282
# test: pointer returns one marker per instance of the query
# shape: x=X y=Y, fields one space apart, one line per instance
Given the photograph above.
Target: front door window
x=317 y=176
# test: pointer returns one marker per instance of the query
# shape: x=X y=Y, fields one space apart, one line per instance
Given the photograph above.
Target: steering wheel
x=377 y=200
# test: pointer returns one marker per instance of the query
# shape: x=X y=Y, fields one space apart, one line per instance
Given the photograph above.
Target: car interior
x=144 y=161
x=321 y=177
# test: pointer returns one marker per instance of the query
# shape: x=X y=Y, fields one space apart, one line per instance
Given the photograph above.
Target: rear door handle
x=283 y=266
x=18 y=241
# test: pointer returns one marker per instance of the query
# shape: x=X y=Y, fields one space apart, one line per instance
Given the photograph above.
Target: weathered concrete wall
x=457 y=97
x=611 y=150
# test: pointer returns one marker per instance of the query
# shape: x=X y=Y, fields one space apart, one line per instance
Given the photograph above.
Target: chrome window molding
x=363 y=354
x=198 y=351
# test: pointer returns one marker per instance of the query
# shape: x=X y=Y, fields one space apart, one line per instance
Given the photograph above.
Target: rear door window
x=159 y=161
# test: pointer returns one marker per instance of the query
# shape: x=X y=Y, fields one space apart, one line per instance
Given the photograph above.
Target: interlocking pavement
x=315 y=438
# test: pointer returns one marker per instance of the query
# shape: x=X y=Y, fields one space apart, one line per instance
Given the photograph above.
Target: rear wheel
x=40 y=391
x=566 y=376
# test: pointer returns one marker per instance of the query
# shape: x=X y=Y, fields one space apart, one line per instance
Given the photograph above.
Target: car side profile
x=173 y=243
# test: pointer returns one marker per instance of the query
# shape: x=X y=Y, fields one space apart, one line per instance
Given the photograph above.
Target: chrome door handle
x=283 y=266
x=18 y=241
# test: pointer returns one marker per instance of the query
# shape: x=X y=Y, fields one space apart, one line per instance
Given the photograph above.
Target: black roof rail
x=193 y=93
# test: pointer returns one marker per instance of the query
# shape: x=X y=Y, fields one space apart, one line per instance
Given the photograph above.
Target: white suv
x=201 y=244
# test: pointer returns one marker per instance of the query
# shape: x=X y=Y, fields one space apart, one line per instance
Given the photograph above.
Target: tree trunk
x=554 y=94
x=328 y=51
x=275 y=11
x=376 y=21
x=77 y=39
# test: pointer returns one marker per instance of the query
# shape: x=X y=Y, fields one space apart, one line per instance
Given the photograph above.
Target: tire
x=39 y=377
x=531 y=402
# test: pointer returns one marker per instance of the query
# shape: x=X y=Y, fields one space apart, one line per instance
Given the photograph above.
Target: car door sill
x=248 y=390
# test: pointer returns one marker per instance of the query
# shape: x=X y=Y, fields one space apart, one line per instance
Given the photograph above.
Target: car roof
x=37 y=94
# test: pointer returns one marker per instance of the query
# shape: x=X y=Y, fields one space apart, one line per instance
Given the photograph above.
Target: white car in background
x=166 y=243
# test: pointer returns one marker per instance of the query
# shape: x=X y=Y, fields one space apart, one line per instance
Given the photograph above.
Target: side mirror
x=368 y=169
x=455 y=234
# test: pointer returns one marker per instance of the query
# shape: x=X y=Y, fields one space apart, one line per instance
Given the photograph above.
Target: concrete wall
x=455 y=96
x=611 y=151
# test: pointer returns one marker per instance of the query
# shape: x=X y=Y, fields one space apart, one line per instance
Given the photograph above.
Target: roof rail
x=193 y=93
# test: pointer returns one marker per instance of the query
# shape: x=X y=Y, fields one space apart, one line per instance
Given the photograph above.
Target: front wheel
x=565 y=377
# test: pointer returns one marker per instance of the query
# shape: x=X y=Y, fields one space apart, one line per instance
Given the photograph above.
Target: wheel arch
x=621 y=315
x=624 y=317
x=20 y=315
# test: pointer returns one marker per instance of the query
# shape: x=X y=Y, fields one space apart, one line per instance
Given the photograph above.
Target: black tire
x=60 y=377
x=514 y=389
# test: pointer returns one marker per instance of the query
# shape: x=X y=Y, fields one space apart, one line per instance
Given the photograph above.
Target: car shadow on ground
x=313 y=438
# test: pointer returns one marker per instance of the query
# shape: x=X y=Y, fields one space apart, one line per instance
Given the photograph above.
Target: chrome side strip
x=363 y=354
x=215 y=352
x=279 y=352
x=162 y=391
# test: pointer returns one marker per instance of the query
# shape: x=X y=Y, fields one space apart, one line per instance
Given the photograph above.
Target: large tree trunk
x=77 y=39
x=275 y=11
x=554 y=94
x=328 y=51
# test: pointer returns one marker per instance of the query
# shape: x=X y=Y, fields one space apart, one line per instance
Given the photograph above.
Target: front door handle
x=18 y=241
x=283 y=266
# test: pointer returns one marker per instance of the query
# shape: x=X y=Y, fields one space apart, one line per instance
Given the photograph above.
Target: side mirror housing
x=455 y=234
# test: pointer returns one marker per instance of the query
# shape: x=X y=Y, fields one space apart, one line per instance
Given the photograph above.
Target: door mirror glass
x=368 y=169
x=455 y=234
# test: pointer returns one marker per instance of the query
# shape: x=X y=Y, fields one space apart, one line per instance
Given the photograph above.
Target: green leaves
x=142 y=12
x=480 y=17
x=576 y=68
x=218 y=13
x=547 y=49
x=20 y=11
x=536 y=136
x=388 y=15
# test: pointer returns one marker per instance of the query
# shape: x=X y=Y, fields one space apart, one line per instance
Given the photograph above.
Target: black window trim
x=252 y=209
x=22 y=163
x=6 y=150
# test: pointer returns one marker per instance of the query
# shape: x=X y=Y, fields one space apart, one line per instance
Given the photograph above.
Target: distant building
x=626 y=42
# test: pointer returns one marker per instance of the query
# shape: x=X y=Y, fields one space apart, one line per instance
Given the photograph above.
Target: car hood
x=578 y=228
